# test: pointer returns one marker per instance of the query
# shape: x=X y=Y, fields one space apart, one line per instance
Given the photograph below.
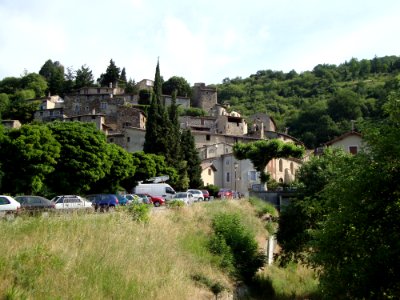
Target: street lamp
x=235 y=165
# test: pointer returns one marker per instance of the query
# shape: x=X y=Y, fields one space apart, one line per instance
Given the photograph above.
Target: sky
x=201 y=41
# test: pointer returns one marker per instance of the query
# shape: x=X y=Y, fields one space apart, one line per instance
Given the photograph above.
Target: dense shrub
x=237 y=246
x=140 y=212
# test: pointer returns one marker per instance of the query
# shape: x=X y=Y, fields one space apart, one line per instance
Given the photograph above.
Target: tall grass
x=111 y=256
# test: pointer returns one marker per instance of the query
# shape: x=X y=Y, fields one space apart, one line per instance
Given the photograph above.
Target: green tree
x=84 y=155
x=20 y=109
x=157 y=125
x=145 y=168
x=131 y=88
x=123 y=168
x=29 y=155
x=53 y=72
x=357 y=244
x=345 y=105
x=69 y=81
x=4 y=103
x=122 y=77
x=84 y=77
x=178 y=84
x=261 y=152
x=144 y=97
x=111 y=75
x=10 y=85
x=191 y=156
x=308 y=209
x=36 y=83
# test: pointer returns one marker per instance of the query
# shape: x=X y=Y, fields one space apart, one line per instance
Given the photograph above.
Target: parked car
x=122 y=199
x=8 y=205
x=206 y=195
x=71 y=202
x=197 y=195
x=142 y=198
x=156 y=200
x=186 y=197
x=35 y=203
x=225 y=194
x=103 y=202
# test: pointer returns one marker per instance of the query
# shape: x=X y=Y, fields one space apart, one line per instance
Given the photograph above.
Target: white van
x=155 y=189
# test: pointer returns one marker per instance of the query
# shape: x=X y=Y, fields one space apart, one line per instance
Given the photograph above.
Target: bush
x=140 y=212
x=175 y=204
x=237 y=244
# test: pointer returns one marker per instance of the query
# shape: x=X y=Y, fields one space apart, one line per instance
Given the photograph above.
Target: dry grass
x=109 y=256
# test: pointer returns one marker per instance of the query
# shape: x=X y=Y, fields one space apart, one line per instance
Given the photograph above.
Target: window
x=128 y=139
x=291 y=168
x=353 y=149
x=280 y=165
x=111 y=140
x=103 y=105
x=208 y=137
x=227 y=162
x=228 y=177
x=252 y=175
x=4 y=201
x=77 y=107
x=209 y=172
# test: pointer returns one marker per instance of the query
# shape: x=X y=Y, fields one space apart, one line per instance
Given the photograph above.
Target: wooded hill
x=319 y=105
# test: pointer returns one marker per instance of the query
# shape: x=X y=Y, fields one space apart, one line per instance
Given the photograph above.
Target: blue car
x=103 y=202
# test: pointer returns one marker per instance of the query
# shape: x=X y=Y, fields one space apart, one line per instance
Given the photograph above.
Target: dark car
x=35 y=203
x=103 y=202
x=206 y=195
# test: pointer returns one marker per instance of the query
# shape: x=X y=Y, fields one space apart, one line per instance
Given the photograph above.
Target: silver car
x=71 y=202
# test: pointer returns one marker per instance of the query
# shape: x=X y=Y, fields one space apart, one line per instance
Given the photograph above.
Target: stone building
x=204 y=97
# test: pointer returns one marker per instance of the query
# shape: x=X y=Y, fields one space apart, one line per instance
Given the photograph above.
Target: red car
x=206 y=195
x=157 y=201
x=225 y=194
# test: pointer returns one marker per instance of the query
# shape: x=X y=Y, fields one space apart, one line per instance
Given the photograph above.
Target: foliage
x=35 y=82
x=178 y=85
x=53 y=72
x=288 y=97
x=140 y=212
x=212 y=189
x=175 y=204
x=237 y=246
x=84 y=157
x=193 y=111
x=309 y=208
x=191 y=156
x=29 y=155
x=123 y=168
x=357 y=245
x=84 y=77
x=345 y=222
x=111 y=76
x=144 y=97
x=261 y=152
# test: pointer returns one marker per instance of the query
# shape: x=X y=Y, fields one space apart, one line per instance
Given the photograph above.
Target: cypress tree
x=158 y=124
x=191 y=156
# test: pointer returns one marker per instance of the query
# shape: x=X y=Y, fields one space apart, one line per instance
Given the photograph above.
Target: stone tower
x=204 y=97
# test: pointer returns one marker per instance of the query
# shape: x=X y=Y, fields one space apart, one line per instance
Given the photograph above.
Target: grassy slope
x=108 y=256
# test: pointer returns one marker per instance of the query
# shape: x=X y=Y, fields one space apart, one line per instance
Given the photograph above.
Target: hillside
x=318 y=105
x=110 y=256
